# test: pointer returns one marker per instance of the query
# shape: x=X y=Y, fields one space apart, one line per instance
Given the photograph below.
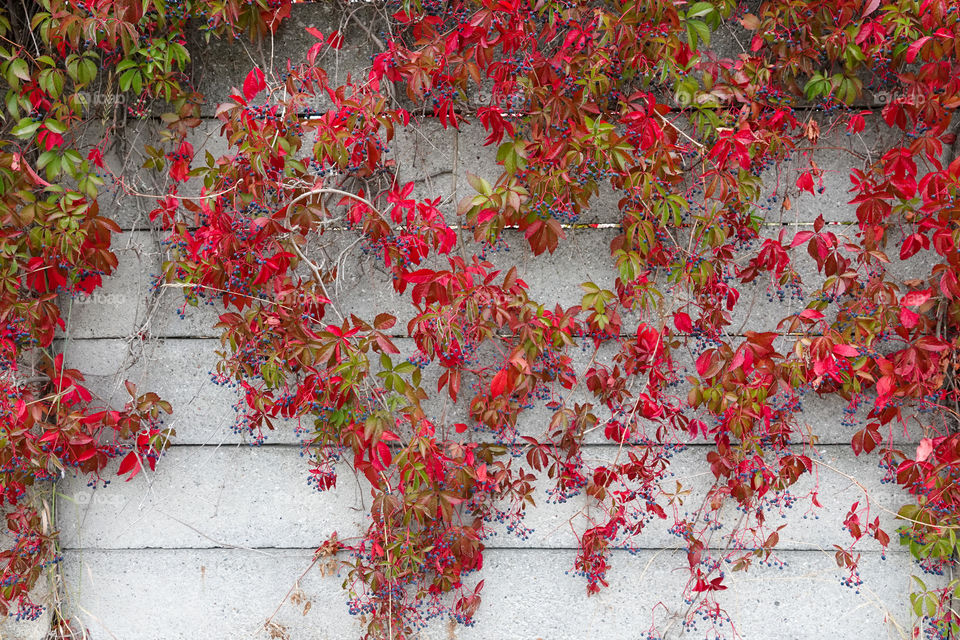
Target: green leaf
x=87 y=71
x=88 y=187
x=73 y=65
x=817 y=85
x=54 y=125
x=25 y=128
x=479 y=184
x=45 y=158
x=13 y=104
x=131 y=79
x=511 y=155
x=53 y=168
x=20 y=68
x=700 y=9
x=698 y=31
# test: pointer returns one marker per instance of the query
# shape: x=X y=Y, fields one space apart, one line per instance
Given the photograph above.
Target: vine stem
x=337 y=192
x=296 y=584
x=386 y=553
x=680 y=131
x=318 y=277
x=197 y=285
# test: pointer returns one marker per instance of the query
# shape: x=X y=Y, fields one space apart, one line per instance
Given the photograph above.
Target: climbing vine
x=578 y=99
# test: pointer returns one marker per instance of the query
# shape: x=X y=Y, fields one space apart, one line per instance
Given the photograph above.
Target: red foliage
x=575 y=97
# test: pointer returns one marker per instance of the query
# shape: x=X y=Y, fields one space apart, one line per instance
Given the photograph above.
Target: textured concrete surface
x=179 y=370
x=438 y=159
x=128 y=594
x=130 y=303
x=229 y=496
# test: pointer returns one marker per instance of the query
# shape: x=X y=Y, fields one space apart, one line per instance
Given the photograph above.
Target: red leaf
x=914 y=48
x=908 y=318
x=96 y=157
x=384 y=457
x=682 y=322
x=384 y=321
x=499 y=384
x=805 y=181
x=884 y=386
x=801 y=237
x=924 y=449
x=714 y=585
x=89 y=283
x=913 y=244
x=131 y=463
x=738 y=359
x=254 y=83
x=916 y=298
x=845 y=350
x=704 y=362
x=856 y=124
x=882 y=537
x=865 y=440
x=420 y=275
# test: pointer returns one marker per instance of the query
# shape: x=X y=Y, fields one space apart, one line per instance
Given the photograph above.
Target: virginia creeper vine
x=577 y=98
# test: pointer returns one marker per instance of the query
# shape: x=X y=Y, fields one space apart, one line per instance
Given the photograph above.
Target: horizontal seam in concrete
x=432 y=117
x=580 y=226
x=174 y=336
x=239 y=549
x=591 y=445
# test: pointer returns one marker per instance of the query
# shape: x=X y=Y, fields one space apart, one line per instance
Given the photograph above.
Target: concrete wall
x=208 y=546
